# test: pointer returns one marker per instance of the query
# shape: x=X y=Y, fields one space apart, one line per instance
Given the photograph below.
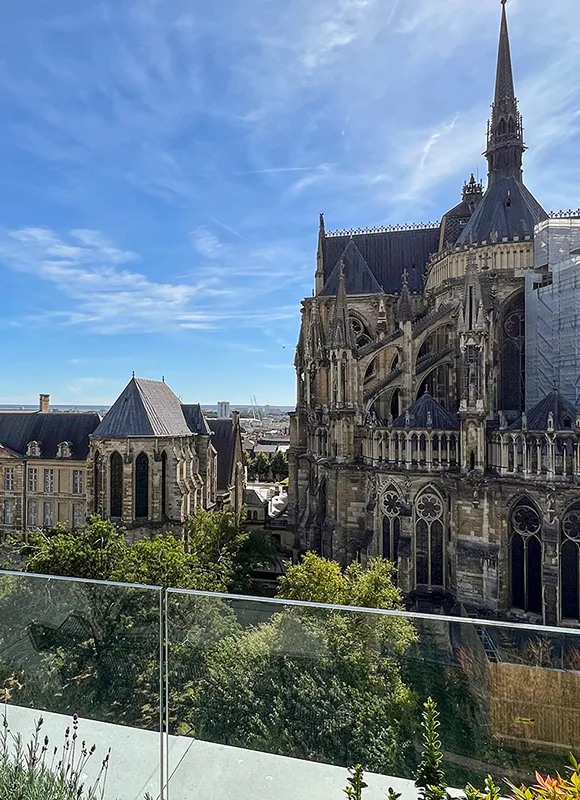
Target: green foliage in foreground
x=318 y=684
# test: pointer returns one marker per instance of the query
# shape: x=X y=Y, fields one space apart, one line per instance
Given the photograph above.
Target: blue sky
x=164 y=163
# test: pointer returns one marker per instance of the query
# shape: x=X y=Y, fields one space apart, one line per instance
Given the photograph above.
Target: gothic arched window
x=141 y=486
x=116 y=492
x=97 y=482
x=163 y=483
x=526 y=558
x=513 y=357
x=570 y=564
x=429 y=558
x=359 y=331
x=391 y=509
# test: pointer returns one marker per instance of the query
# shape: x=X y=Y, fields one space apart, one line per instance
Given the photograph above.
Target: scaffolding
x=553 y=312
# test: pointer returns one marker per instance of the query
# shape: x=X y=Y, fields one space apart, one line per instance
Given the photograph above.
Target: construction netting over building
x=553 y=313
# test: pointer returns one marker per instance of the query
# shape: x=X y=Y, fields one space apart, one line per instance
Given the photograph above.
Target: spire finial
x=133 y=373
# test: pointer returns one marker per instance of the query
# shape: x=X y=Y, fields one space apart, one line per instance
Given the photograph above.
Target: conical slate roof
x=508 y=209
x=144 y=408
x=563 y=412
x=419 y=411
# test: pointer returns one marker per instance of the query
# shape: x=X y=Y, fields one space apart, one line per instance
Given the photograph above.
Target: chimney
x=45 y=402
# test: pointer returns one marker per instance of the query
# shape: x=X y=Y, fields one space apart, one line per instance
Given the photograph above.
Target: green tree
x=262 y=465
x=314 y=683
x=280 y=466
x=250 y=463
x=93 y=551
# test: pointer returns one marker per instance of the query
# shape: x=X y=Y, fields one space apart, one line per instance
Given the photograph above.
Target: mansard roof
x=562 y=410
x=358 y=277
x=508 y=209
x=49 y=429
x=386 y=254
x=419 y=411
x=144 y=408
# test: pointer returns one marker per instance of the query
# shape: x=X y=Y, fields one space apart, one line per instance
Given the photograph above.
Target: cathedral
x=438 y=392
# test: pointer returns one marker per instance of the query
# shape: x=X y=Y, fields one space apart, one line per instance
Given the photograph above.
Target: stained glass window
x=116 y=485
x=142 y=486
x=429 y=546
x=163 y=483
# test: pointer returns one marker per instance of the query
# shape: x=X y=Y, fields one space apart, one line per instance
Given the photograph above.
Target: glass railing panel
x=85 y=657
x=264 y=695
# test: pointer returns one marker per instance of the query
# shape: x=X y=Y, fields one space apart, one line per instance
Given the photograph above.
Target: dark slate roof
x=357 y=275
x=508 y=209
x=224 y=441
x=195 y=419
x=49 y=428
x=538 y=415
x=252 y=498
x=144 y=408
x=440 y=418
x=387 y=254
x=455 y=220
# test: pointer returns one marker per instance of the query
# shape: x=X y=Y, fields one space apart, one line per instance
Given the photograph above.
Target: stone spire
x=319 y=277
x=341 y=334
x=505 y=132
x=405 y=310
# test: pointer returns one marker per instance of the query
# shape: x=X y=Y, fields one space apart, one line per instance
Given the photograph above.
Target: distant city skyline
x=164 y=165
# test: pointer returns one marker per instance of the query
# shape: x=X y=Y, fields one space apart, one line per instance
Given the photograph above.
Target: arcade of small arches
x=408 y=449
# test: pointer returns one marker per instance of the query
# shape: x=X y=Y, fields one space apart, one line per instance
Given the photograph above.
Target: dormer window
x=33 y=449
x=64 y=450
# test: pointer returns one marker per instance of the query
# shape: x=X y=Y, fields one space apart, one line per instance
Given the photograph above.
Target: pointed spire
x=505 y=94
x=505 y=134
x=341 y=332
x=405 y=310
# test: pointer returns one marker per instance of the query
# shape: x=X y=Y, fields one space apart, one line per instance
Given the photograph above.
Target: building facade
x=412 y=437
x=149 y=464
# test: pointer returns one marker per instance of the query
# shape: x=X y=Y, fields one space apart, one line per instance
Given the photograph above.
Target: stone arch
x=525 y=544
x=437 y=341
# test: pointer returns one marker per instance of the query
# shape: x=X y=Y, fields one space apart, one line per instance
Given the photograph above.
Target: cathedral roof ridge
x=414 y=226
x=564 y=214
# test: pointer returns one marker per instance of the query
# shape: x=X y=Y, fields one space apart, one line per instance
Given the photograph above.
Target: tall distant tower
x=505 y=131
x=223 y=409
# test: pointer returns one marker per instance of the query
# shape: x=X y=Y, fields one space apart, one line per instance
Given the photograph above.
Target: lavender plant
x=39 y=771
